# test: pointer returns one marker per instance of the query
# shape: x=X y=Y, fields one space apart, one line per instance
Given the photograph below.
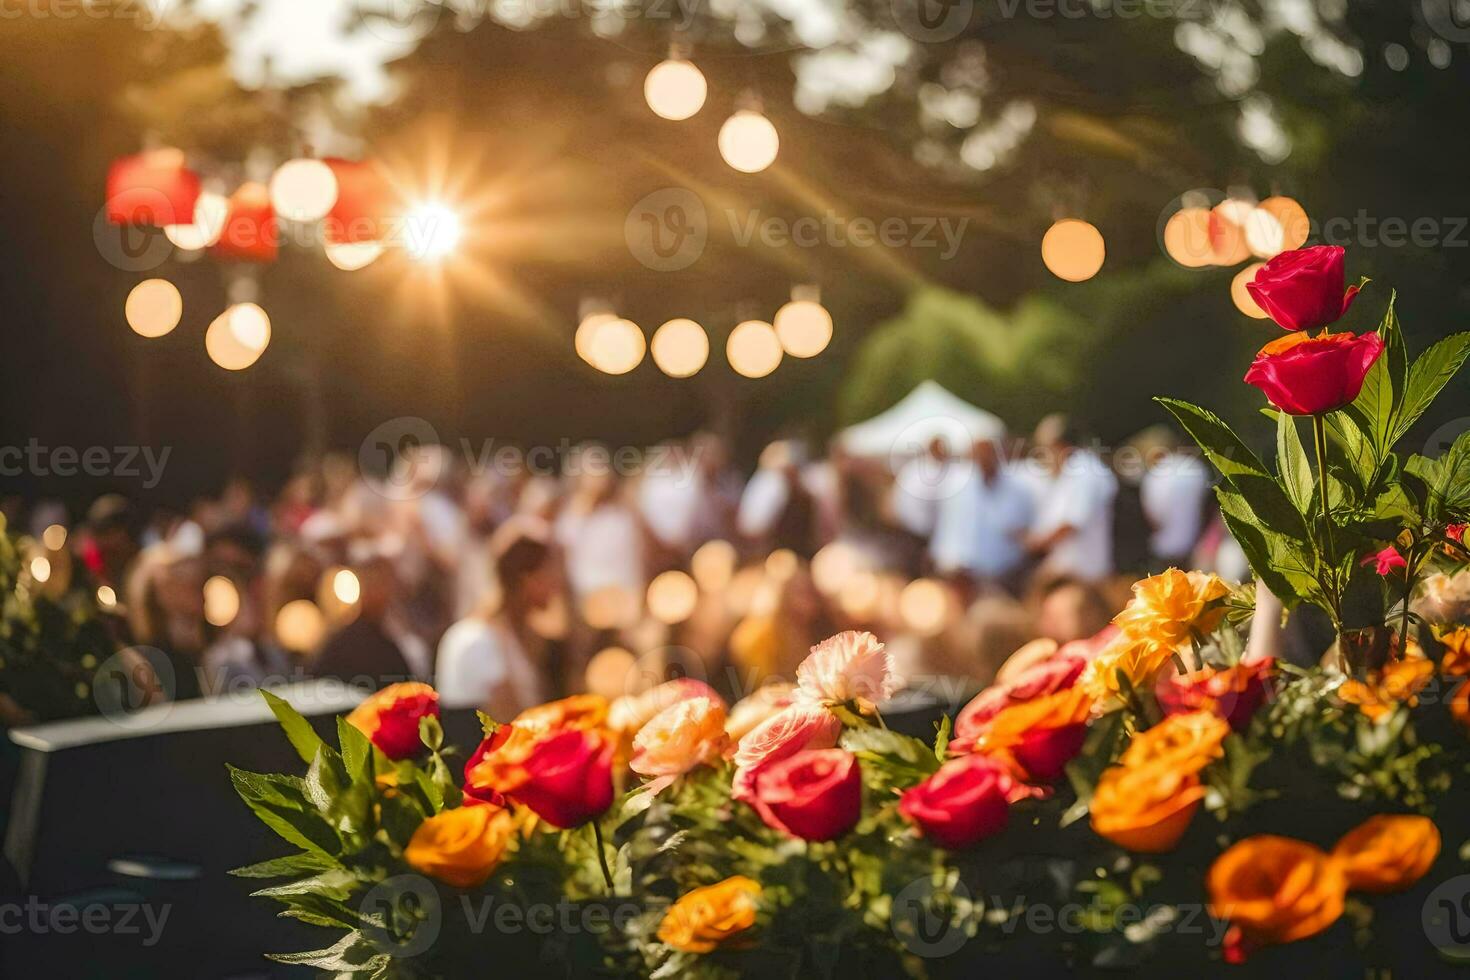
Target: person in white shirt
x=602 y=538
x=1073 y=533
x=980 y=529
x=489 y=660
x=1173 y=493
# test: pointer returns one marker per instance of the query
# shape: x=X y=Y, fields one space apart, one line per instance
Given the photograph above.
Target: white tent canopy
x=924 y=414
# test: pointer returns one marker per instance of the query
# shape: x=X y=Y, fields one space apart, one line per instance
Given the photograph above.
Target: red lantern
x=250 y=233
x=365 y=202
x=151 y=188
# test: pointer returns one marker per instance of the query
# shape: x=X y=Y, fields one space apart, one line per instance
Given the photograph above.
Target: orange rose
x=1042 y=734
x=1456 y=662
x=501 y=768
x=1387 y=853
x=460 y=847
x=709 y=916
x=1460 y=705
x=580 y=712
x=1145 y=808
x=1276 y=889
x=1398 y=683
x=1141 y=659
x=680 y=737
x=1172 y=607
x=390 y=717
x=1184 y=743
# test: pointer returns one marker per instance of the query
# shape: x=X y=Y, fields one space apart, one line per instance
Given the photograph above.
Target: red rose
x=1044 y=753
x=1233 y=694
x=815 y=795
x=567 y=778
x=475 y=792
x=961 y=804
x=1057 y=673
x=390 y=718
x=1455 y=532
x=1303 y=289
x=1304 y=375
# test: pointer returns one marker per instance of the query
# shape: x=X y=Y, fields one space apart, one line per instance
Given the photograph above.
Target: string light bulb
x=804 y=327
x=753 y=349
x=680 y=348
x=748 y=141
x=675 y=89
x=616 y=346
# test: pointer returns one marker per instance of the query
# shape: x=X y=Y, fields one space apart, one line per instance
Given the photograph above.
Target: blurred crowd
x=508 y=584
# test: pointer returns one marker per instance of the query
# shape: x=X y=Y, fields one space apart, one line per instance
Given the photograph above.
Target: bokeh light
x=1073 y=250
x=833 y=565
x=1227 y=232
x=250 y=325
x=221 y=601
x=153 y=307
x=54 y=537
x=351 y=256
x=616 y=346
x=106 y=597
x=713 y=565
x=1242 y=297
x=608 y=670
x=1296 y=227
x=672 y=597
x=924 y=606
x=680 y=348
x=225 y=344
x=40 y=568
x=300 y=626
x=804 y=327
x=1187 y=237
x=303 y=190
x=748 y=141
x=753 y=349
x=611 y=607
x=210 y=213
x=586 y=330
x=675 y=89
x=346 y=587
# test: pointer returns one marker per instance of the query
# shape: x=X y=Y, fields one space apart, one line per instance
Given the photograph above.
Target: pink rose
x=799 y=727
x=1056 y=674
x=632 y=712
x=684 y=735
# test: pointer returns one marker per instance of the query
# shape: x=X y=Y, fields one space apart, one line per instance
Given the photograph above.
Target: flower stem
x=602 y=855
x=1319 y=433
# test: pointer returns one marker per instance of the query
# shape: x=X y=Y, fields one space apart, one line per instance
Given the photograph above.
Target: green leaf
x=353 y=953
x=281 y=804
x=336 y=884
x=357 y=751
x=941 y=738
x=1446 y=480
x=1430 y=372
x=1242 y=469
x=1377 y=404
x=293 y=864
x=1291 y=461
x=1288 y=578
x=298 y=730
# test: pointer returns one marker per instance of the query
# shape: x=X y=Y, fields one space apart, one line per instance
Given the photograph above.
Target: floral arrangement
x=1150 y=799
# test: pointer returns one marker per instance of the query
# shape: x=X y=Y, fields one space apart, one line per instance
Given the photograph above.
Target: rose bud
x=815 y=795
x=476 y=791
x=566 y=778
x=1304 y=375
x=961 y=804
x=390 y=718
x=1303 y=289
